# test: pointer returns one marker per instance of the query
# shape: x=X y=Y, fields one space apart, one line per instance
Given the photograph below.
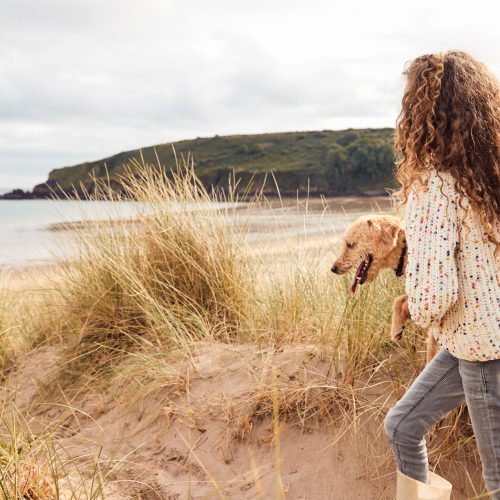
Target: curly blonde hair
x=450 y=121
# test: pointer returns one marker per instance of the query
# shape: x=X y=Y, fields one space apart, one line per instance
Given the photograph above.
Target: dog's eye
x=350 y=245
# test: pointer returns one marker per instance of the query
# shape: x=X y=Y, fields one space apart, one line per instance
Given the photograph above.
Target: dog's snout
x=335 y=269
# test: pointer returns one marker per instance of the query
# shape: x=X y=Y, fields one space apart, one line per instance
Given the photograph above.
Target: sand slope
x=205 y=430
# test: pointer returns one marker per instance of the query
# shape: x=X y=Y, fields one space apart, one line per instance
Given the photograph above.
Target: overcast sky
x=81 y=80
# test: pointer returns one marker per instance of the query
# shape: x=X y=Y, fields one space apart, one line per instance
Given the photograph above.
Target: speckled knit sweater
x=452 y=278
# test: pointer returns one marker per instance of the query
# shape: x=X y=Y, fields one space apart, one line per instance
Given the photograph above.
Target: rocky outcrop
x=18 y=194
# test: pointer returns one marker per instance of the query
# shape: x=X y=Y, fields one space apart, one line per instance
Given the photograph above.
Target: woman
x=448 y=143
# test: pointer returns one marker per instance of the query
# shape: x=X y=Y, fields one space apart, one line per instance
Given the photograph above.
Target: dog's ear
x=386 y=234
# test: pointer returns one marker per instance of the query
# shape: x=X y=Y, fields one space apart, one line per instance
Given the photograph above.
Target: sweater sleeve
x=431 y=226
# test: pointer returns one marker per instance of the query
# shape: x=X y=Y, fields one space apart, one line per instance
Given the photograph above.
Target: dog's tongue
x=355 y=282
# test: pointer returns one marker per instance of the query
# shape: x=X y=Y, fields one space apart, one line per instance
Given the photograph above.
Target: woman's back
x=448 y=137
x=452 y=277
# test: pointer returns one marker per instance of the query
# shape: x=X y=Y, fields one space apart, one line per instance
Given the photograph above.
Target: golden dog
x=372 y=243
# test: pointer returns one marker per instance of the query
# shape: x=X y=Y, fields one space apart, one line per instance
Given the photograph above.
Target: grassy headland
x=352 y=162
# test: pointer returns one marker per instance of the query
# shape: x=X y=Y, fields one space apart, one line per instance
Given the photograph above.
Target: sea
x=26 y=226
x=27 y=234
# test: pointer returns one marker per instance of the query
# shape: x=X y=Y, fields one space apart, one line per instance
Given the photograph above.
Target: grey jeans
x=443 y=385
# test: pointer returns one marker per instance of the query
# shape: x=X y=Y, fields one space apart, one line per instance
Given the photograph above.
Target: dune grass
x=138 y=295
x=34 y=466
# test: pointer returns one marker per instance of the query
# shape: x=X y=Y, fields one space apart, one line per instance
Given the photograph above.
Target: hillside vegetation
x=327 y=162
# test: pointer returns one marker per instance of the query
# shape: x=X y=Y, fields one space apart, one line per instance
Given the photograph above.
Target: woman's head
x=450 y=121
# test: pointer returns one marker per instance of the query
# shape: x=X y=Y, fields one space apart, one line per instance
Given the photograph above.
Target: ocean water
x=26 y=226
x=26 y=236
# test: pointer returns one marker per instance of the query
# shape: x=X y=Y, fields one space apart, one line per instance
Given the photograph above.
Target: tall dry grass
x=170 y=277
x=34 y=465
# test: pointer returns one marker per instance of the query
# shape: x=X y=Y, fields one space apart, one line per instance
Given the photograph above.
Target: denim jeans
x=443 y=385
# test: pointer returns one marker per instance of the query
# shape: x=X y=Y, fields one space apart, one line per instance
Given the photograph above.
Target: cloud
x=81 y=80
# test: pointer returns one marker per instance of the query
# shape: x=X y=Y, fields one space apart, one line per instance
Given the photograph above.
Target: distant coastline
x=19 y=194
x=352 y=162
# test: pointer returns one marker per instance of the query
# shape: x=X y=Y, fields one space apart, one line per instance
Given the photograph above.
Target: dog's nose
x=335 y=269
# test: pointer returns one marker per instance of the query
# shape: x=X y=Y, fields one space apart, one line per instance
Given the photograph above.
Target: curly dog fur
x=372 y=243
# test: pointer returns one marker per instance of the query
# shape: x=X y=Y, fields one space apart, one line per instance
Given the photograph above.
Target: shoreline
x=275 y=218
x=20 y=195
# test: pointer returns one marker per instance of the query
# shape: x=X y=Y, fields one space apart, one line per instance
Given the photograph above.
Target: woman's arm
x=431 y=226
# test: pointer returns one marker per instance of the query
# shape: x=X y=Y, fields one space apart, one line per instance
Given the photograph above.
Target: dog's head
x=365 y=245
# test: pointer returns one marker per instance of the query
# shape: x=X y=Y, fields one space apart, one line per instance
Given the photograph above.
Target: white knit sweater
x=452 y=278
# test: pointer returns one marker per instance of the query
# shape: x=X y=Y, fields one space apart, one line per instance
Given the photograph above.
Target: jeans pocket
x=474 y=379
